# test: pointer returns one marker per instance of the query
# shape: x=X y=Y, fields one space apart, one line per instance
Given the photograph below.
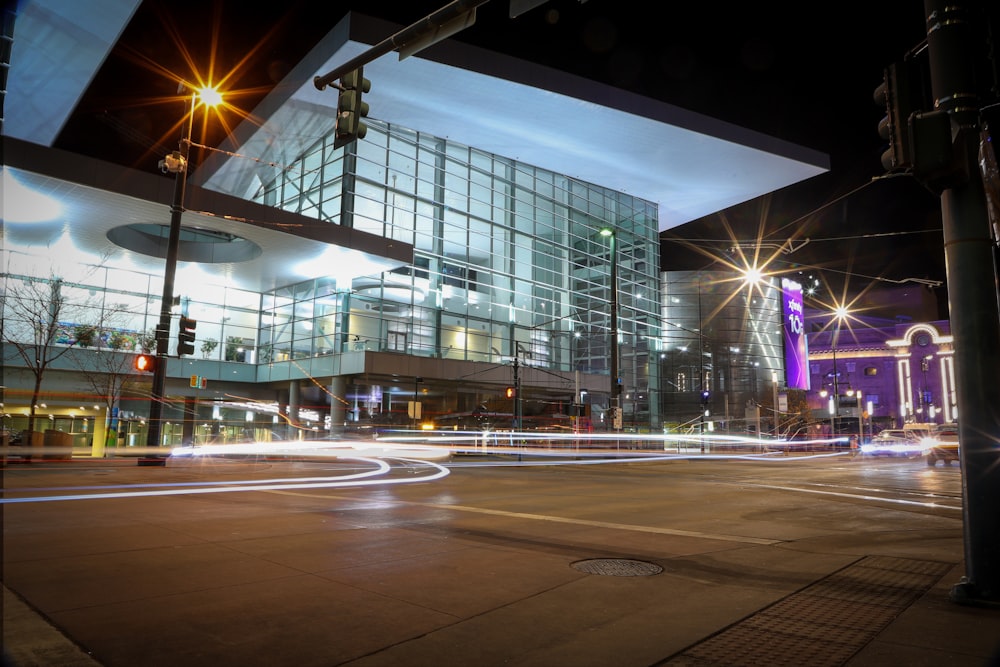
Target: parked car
x=942 y=444
x=893 y=442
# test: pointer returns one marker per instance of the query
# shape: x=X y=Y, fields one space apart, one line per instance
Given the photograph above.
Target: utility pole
x=957 y=42
x=176 y=162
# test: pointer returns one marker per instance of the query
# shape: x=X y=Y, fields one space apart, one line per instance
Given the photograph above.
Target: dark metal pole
x=615 y=398
x=416 y=400
x=955 y=37
x=516 y=405
x=166 y=301
x=836 y=385
x=426 y=29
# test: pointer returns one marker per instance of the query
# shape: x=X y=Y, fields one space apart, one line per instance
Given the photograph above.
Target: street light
x=839 y=314
x=856 y=393
x=177 y=163
x=615 y=386
x=833 y=411
x=861 y=419
x=871 y=420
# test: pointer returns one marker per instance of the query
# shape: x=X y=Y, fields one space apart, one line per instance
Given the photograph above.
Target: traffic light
x=510 y=392
x=615 y=417
x=894 y=94
x=905 y=90
x=145 y=363
x=705 y=395
x=351 y=108
x=185 y=336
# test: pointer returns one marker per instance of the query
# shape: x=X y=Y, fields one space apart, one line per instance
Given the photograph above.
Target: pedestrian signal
x=145 y=363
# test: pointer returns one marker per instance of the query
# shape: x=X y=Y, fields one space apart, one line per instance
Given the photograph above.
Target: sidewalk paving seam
x=825 y=623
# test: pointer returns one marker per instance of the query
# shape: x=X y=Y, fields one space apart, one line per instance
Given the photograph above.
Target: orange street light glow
x=209 y=96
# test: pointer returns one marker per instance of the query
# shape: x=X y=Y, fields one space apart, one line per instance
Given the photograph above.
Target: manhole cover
x=617 y=567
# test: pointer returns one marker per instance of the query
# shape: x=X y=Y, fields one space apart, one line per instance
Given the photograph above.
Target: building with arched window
x=890 y=365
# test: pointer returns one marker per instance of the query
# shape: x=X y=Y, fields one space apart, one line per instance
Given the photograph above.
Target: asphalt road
x=255 y=562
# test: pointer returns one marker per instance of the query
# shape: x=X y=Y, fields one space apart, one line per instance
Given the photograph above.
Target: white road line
x=558 y=519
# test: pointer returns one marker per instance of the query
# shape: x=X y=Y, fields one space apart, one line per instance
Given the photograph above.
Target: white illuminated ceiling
x=67 y=225
x=690 y=165
x=60 y=213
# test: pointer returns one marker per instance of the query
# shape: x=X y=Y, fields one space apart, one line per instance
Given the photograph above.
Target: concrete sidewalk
x=914 y=638
x=31 y=641
x=617 y=565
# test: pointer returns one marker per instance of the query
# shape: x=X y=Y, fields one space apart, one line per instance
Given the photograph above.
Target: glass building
x=509 y=265
x=508 y=286
x=450 y=264
x=721 y=359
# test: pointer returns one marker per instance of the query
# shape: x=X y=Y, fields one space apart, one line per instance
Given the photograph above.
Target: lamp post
x=615 y=386
x=861 y=420
x=837 y=317
x=177 y=163
x=833 y=411
x=835 y=403
x=857 y=396
x=871 y=420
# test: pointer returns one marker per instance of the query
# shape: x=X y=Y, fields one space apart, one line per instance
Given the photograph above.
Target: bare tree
x=37 y=319
x=110 y=372
x=798 y=417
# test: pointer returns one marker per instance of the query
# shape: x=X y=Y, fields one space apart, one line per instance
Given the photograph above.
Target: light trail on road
x=368 y=478
x=861 y=496
x=435 y=452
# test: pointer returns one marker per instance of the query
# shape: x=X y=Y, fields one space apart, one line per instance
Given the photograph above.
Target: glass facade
x=509 y=268
x=721 y=335
x=509 y=261
x=124 y=305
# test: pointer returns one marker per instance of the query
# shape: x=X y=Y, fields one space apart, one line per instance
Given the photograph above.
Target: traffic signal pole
x=153 y=426
x=955 y=39
x=429 y=30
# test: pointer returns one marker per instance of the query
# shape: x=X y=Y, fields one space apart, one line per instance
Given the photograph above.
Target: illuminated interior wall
x=722 y=336
x=508 y=257
x=123 y=305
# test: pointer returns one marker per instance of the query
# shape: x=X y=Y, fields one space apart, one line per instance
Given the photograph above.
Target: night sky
x=801 y=72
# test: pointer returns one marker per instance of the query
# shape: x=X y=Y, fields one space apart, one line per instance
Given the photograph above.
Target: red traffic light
x=510 y=392
x=145 y=363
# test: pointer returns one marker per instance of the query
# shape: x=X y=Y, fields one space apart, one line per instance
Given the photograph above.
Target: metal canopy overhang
x=87 y=198
x=688 y=164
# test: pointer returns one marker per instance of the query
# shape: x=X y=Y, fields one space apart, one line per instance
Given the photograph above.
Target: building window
x=396 y=341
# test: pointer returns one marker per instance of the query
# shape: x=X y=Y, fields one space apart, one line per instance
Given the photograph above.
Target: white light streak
x=381 y=468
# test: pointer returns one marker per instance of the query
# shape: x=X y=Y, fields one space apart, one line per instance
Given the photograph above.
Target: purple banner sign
x=794 y=335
